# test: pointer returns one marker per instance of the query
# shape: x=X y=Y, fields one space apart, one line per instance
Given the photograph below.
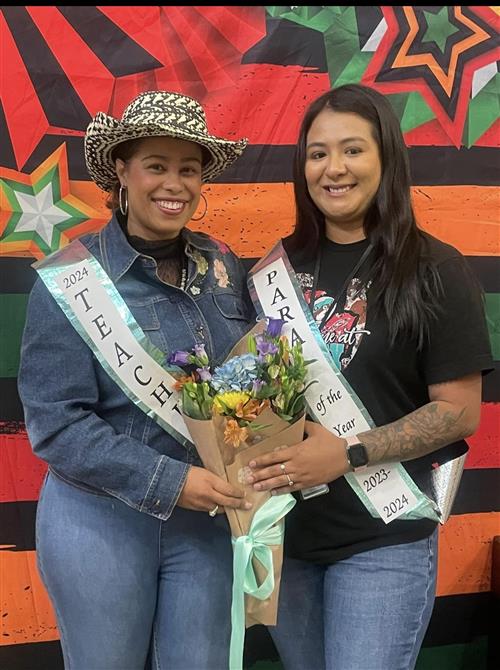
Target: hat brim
x=104 y=133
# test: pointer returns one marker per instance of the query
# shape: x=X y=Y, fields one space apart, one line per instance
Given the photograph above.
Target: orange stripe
x=27 y=614
x=251 y=217
x=464 y=564
x=464 y=567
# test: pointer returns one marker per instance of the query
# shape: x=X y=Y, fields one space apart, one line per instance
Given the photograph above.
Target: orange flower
x=251 y=409
x=183 y=380
x=234 y=435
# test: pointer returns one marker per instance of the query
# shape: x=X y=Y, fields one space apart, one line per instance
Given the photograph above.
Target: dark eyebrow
x=346 y=140
x=165 y=158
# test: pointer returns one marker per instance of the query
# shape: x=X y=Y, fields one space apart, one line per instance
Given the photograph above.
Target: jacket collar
x=118 y=255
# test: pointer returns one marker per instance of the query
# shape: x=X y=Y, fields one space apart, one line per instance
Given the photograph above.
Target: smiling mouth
x=339 y=190
x=171 y=206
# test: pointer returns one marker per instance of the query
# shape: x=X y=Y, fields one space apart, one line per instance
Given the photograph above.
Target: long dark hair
x=404 y=285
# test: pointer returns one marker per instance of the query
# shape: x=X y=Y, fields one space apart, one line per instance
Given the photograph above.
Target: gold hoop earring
x=123 y=200
x=199 y=218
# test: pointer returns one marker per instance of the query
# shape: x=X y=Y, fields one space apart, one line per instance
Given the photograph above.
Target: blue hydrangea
x=237 y=374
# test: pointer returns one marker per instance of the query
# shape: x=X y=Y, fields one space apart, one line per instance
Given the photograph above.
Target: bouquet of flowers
x=251 y=404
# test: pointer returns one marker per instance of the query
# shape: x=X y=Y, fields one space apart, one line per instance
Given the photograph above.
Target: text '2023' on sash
x=386 y=490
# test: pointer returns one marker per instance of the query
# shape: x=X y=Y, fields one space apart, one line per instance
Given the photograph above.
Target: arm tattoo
x=428 y=428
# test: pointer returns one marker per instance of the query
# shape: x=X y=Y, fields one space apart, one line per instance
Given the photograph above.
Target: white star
x=40 y=214
x=482 y=76
x=376 y=37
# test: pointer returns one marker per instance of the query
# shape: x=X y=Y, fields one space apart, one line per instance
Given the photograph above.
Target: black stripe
x=288 y=43
x=487 y=270
x=460 y=619
x=118 y=51
x=16 y=274
x=11 y=408
x=478 y=492
x=59 y=100
x=34 y=656
x=6 y=149
x=491 y=385
x=17 y=525
x=269 y=163
x=430 y=166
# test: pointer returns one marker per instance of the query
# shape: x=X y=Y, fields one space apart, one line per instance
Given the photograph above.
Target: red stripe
x=484 y=451
x=22 y=473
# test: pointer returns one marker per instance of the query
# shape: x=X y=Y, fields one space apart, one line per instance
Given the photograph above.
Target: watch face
x=357 y=455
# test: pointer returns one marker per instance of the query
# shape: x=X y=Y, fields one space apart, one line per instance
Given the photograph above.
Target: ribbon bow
x=264 y=532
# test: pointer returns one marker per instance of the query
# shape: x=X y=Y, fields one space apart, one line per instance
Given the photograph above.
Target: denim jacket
x=77 y=418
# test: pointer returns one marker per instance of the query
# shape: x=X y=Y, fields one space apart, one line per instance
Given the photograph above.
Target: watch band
x=354 y=441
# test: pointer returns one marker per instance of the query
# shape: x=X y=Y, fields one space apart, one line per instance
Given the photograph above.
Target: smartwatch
x=357 y=455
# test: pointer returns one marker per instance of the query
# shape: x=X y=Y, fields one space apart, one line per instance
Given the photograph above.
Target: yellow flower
x=234 y=435
x=229 y=401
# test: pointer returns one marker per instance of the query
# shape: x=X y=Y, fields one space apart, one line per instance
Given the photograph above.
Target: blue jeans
x=367 y=612
x=122 y=581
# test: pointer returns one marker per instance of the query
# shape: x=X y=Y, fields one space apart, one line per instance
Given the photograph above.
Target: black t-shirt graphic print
x=390 y=381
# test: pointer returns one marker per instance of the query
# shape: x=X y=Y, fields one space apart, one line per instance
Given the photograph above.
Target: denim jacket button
x=157 y=503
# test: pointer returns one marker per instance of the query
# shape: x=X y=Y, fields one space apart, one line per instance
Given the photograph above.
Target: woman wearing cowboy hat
x=129 y=555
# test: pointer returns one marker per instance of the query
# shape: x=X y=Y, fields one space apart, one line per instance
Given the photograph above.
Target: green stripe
x=13 y=314
x=493 y=319
x=472 y=656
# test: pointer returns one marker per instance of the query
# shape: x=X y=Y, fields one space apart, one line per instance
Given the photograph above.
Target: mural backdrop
x=254 y=69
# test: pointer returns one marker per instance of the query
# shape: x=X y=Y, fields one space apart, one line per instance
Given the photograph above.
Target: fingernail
x=273 y=492
x=252 y=464
x=257 y=486
x=248 y=505
x=250 y=480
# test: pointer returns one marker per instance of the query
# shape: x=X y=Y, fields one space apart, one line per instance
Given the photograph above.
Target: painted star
x=436 y=53
x=38 y=213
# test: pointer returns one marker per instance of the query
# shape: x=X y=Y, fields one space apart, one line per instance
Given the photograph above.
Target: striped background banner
x=255 y=69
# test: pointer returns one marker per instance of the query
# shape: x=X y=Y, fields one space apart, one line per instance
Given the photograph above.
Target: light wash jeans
x=121 y=580
x=367 y=612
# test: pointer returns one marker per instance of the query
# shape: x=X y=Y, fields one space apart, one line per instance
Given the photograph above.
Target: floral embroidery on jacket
x=220 y=273
x=201 y=262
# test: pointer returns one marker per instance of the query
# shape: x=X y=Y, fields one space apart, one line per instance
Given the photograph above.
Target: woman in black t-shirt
x=403 y=319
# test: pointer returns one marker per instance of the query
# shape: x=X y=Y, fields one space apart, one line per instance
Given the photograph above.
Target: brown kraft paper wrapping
x=232 y=464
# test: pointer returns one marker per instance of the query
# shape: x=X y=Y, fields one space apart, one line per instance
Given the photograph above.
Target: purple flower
x=179 y=358
x=257 y=385
x=274 y=326
x=199 y=351
x=204 y=373
x=264 y=346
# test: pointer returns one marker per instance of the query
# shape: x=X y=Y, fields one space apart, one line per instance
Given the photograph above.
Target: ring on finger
x=214 y=511
x=290 y=482
x=282 y=467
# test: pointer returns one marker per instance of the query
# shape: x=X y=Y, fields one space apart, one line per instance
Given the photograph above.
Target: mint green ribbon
x=264 y=532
